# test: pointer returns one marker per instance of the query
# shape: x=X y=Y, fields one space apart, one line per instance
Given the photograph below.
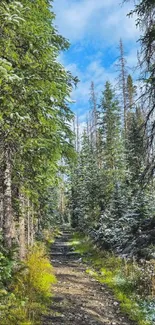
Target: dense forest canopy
x=35 y=136
x=35 y=132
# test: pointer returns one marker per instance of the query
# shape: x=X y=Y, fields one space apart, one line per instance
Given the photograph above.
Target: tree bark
x=8 y=213
x=32 y=225
x=1 y=194
x=22 y=249
x=28 y=223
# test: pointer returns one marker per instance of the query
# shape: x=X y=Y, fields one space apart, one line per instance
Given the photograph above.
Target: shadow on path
x=78 y=298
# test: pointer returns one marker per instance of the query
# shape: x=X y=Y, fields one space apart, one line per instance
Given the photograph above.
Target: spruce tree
x=144 y=9
x=34 y=130
x=111 y=138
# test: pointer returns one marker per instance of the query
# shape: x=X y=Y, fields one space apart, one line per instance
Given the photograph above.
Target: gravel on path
x=78 y=298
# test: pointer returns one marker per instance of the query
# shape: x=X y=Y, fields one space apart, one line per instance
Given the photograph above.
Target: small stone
x=116 y=303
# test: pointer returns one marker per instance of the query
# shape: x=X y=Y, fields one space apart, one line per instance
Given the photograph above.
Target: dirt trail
x=78 y=298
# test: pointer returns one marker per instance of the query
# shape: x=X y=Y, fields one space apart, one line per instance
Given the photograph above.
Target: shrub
x=30 y=290
x=39 y=276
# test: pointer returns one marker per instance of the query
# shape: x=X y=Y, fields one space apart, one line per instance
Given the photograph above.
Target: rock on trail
x=78 y=298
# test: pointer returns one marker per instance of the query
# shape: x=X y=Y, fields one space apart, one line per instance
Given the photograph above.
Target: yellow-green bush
x=30 y=290
x=50 y=234
x=39 y=276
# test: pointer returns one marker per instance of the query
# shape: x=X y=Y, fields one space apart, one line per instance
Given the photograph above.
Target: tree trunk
x=32 y=225
x=8 y=215
x=28 y=223
x=1 y=194
x=22 y=249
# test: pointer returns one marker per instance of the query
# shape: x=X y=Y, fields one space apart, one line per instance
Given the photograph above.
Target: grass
x=132 y=284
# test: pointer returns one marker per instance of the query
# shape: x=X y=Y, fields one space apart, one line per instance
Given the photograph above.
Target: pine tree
x=122 y=83
x=144 y=10
x=131 y=91
x=85 y=190
x=136 y=145
x=111 y=138
x=93 y=107
x=34 y=130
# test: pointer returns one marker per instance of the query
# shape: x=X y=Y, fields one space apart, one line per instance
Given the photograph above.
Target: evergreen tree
x=111 y=138
x=136 y=145
x=34 y=131
x=144 y=9
x=123 y=83
x=131 y=91
x=93 y=107
x=85 y=190
x=136 y=141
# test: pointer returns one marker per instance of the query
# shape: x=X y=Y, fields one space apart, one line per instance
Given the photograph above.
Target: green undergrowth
x=26 y=287
x=133 y=283
x=48 y=237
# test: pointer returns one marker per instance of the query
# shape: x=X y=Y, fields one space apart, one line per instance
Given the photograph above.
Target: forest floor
x=78 y=298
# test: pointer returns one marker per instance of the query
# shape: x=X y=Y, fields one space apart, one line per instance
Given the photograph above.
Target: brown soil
x=78 y=298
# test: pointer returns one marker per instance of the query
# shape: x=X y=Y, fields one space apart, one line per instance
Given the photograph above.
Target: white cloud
x=131 y=58
x=93 y=72
x=77 y=20
x=74 y=16
x=117 y=25
x=94 y=27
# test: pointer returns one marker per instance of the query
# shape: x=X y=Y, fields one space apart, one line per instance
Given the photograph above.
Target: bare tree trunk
x=8 y=215
x=22 y=249
x=32 y=225
x=1 y=195
x=1 y=182
x=28 y=223
x=32 y=231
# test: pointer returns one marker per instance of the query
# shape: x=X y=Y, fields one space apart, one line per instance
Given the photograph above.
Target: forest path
x=78 y=298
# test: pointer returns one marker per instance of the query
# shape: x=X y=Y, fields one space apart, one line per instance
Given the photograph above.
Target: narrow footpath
x=78 y=298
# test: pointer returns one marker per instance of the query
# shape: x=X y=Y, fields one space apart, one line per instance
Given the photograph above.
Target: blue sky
x=94 y=28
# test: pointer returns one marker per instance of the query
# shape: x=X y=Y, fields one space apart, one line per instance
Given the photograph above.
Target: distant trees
x=123 y=82
x=110 y=117
x=110 y=198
